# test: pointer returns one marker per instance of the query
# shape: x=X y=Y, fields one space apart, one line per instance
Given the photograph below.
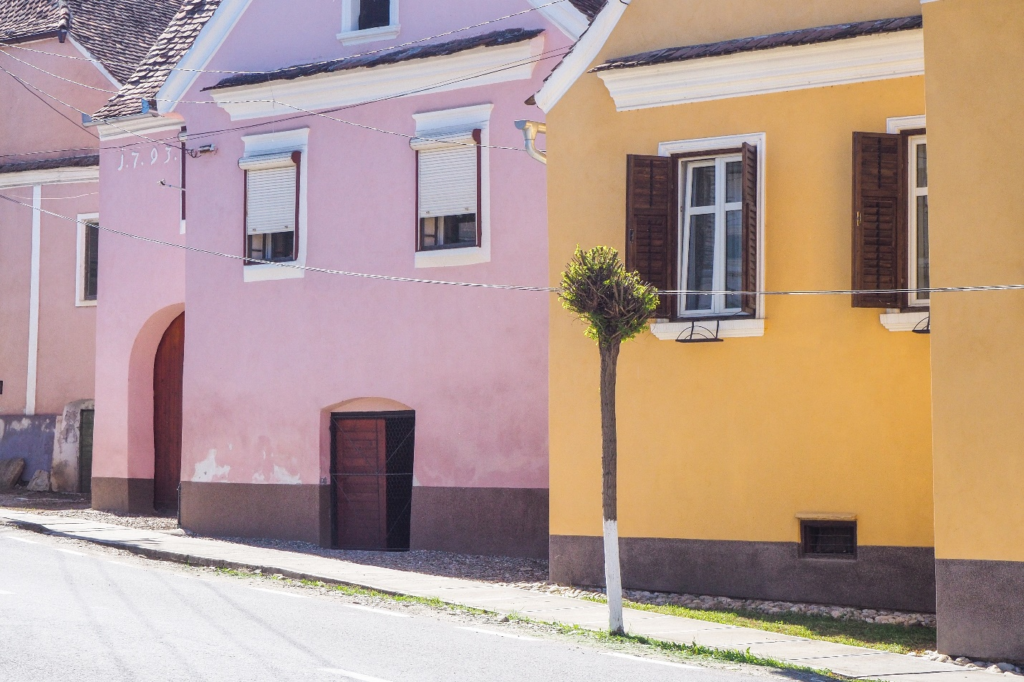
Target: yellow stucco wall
x=975 y=52
x=828 y=412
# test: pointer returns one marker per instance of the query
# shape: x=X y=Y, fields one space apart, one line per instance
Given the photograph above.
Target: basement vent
x=829 y=539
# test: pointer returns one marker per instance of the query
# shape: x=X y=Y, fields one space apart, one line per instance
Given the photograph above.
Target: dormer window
x=363 y=21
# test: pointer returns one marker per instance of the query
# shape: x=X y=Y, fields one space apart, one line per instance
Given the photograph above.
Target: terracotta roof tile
x=163 y=56
x=49 y=164
x=423 y=51
x=589 y=8
x=116 y=32
x=807 y=36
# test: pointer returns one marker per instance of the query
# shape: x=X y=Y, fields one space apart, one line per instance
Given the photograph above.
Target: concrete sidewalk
x=854 y=662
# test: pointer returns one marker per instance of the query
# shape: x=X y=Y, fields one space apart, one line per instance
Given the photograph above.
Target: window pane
x=733 y=257
x=733 y=182
x=92 y=262
x=460 y=229
x=700 y=267
x=703 y=193
x=282 y=246
x=374 y=13
x=428 y=233
x=922 y=165
x=923 y=275
x=256 y=246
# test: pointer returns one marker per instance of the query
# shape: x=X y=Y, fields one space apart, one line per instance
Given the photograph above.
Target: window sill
x=369 y=35
x=443 y=258
x=85 y=304
x=904 y=322
x=265 y=272
x=727 y=329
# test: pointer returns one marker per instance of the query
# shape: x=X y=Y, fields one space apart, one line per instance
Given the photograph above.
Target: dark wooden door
x=167 y=382
x=360 y=484
x=85 y=451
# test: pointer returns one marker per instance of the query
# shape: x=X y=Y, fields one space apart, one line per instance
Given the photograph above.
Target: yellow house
x=781 y=446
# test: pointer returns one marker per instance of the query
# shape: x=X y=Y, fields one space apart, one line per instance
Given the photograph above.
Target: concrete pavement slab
x=849 y=661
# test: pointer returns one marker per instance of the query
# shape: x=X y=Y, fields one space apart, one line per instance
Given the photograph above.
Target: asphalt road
x=70 y=612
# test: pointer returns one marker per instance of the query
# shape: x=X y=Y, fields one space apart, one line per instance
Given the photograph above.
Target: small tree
x=616 y=305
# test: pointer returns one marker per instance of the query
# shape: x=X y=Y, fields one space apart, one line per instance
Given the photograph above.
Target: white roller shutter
x=270 y=184
x=448 y=171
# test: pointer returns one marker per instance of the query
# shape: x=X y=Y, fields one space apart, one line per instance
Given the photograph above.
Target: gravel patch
x=526 y=574
x=1003 y=668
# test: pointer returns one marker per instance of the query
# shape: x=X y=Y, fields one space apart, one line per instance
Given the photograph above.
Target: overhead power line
x=512 y=287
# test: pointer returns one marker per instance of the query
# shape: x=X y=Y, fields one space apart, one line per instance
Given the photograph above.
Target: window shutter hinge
x=858 y=218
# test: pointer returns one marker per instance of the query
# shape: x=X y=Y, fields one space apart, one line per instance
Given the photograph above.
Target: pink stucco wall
x=265 y=362
x=34 y=123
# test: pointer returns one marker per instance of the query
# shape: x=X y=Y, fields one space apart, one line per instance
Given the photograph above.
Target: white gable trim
x=565 y=17
x=583 y=53
x=198 y=57
x=95 y=62
x=139 y=127
x=51 y=176
x=468 y=69
x=856 y=60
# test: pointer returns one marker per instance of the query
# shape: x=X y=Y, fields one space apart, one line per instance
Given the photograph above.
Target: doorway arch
x=168 y=373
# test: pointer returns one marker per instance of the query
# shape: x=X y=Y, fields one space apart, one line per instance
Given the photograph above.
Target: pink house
x=242 y=350
x=58 y=59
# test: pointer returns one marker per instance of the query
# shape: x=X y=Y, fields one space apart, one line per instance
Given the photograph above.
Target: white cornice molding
x=198 y=57
x=564 y=16
x=469 y=69
x=856 y=60
x=139 y=126
x=579 y=59
x=51 y=176
x=898 y=124
x=95 y=62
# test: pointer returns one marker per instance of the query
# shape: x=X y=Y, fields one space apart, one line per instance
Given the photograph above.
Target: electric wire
x=293 y=266
x=517 y=287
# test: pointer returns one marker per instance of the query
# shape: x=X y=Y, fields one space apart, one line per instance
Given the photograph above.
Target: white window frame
x=280 y=143
x=726 y=328
x=447 y=120
x=894 y=319
x=913 y=192
x=80 y=300
x=350 y=33
x=718 y=209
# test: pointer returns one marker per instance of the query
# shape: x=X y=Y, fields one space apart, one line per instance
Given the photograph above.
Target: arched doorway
x=168 y=370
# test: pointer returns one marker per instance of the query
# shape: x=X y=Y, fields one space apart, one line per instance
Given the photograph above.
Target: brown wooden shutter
x=878 y=244
x=750 y=255
x=650 y=222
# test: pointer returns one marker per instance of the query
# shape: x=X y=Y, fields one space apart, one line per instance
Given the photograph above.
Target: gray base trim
x=123 y=495
x=980 y=609
x=900 y=578
x=280 y=512
x=486 y=521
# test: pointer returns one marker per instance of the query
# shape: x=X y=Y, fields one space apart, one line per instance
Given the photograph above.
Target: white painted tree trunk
x=612 y=577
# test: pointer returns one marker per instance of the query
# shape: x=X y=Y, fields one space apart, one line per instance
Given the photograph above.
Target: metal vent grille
x=833 y=539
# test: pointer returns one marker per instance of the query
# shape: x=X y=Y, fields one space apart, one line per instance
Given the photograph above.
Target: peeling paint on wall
x=281 y=475
x=208 y=471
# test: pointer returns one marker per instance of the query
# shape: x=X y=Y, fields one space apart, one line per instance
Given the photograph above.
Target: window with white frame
x=88 y=266
x=918 y=260
x=712 y=235
x=272 y=206
x=448 y=179
x=366 y=20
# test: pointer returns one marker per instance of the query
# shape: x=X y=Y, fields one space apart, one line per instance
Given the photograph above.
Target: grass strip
x=674 y=649
x=897 y=639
